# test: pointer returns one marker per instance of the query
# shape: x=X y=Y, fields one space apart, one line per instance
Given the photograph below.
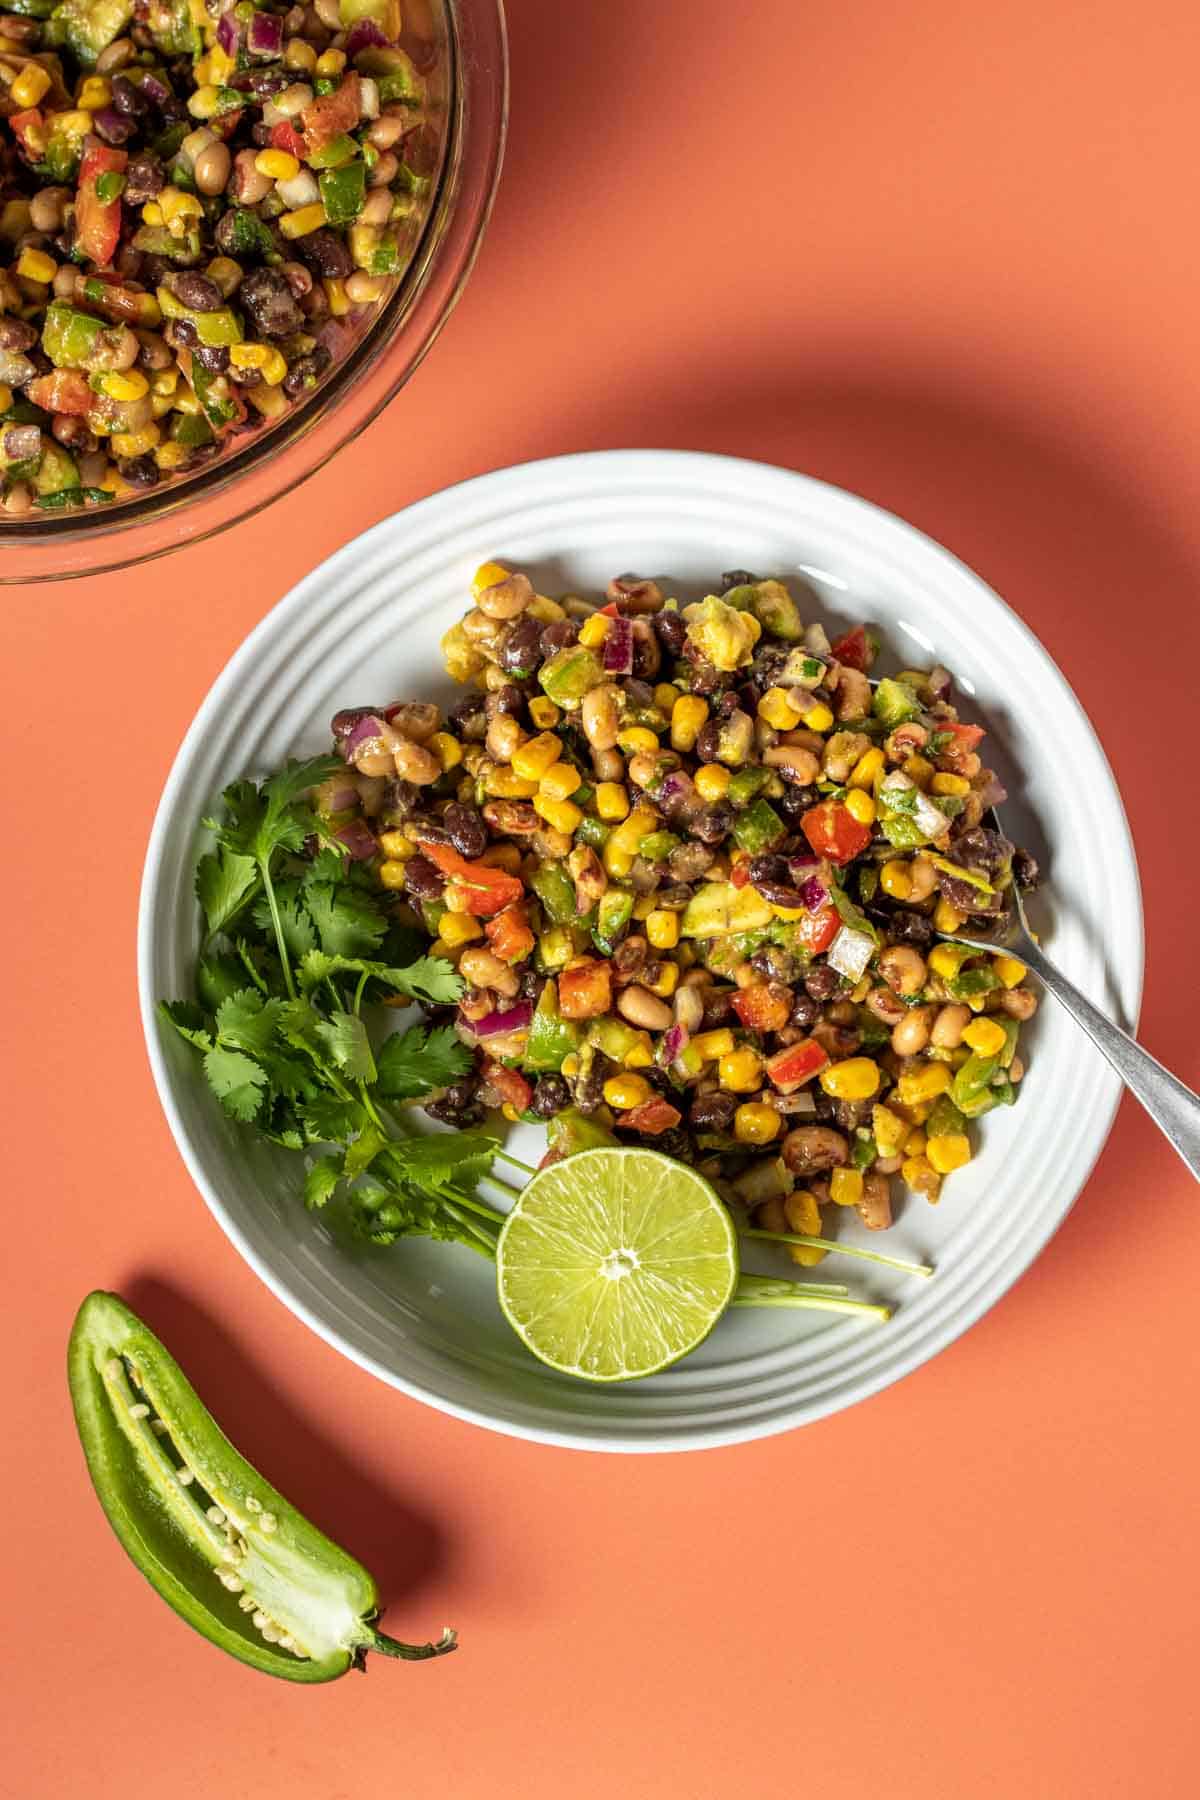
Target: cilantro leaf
x=294 y=922
x=320 y=1184
x=348 y=922
x=217 y=977
x=430 y=978
x=188 y=1021
x=328 y=1119
x=414 y=1062
x=237 y=1081
x=223 y=880
x=245 y=1021
x=362 y=1152
x=346 y=1037
x=283 y=824
x=442 y=1158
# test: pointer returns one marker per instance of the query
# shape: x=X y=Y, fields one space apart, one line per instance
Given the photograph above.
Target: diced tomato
x=509 y=935
x=816 y=931
x=611 y=611
x=488 y=891
x=585 y=992
x=791 y=1068
x=98 y=222
x=286 y=137
x=833 y=831
x=62 y=391
x=510 y=1084
x=856 y=649
x=332 y=114
x=739 y=875
x=652 y=1118
x=20 y=123
x=766 y=1006
x=968 y=736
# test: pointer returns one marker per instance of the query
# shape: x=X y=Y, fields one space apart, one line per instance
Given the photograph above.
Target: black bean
x=246 y=377
x=550 y=1096
x=327 y=253
x=138 y=471
x=424 y=830
x=464 y=1117
x=675 y=897
x=737 y=578
x=850 y=1114
x=672 y=1142
x=805 y=1011
x=181 y=332
x=266 y=296
x=558 y=635
x=128 y=99
x=422 y=879
x=143 y=179
x=467 y=712
x=708 y=741
x=718 y=1010
x=518 y=653
x=773 y=962
x=111 y=127
x=647 y=657
x=907 y=927
x=589 y=1084
x=173 y=110
x=399 y=799
x=1025 y=870
x=706 y=679
x=197 y=292
x=16 y=335
x=687 y=862
x=980 y=848
x=712 y=1112
x=671 y=631
x=468 y=833
x=531 y=984
x=261 y=82
x=213 y=357
x=72 y=432
x=508 y=700
x=712 y=825
x=728 y=704
x=305 y=373
x=630 y=957
x=644 y=876
x=795 y=800
x=772 y=878
x=820 y=982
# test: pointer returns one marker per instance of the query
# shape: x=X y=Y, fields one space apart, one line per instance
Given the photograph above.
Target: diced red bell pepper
x=791 y=1068
x=488 y=891
x=651 y=1118
x=510 y=1084
x=98 y=222
x=816 y=931
x=739 y=875
x=62 y=391
x=286 y=137
x=966 y=737
x=509 y=935
x=856 y=649
x=766 y=1006
x=20 y=122
x=585 y=992
x=332 y=114
x=611 y=611
x=833 y=831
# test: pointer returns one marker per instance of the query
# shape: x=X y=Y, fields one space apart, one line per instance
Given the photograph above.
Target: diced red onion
x=228 y=33
x=674 y=787
x=343 y=723
x=369 y=726
x=850 y=952
x=674 y=1043
x=340 y=798
x=814 y=893
x=517 y=1018
x=994 y=793
x=112 y=126
x=364 y=34
x=334 y=337
x=265 y=37
x=358 y=839
x=618 y=647
x=154 y=89
x=939 y=682
x=21 y=441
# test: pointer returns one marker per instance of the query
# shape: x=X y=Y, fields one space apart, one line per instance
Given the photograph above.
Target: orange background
x=946 y=256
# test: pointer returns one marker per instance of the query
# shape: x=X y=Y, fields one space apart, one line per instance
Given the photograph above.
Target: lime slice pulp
x=616 y=1262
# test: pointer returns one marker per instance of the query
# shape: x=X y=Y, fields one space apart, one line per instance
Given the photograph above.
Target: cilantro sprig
x=302 y=956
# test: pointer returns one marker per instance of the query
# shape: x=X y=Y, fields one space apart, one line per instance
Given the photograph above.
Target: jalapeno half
x=218 y=1542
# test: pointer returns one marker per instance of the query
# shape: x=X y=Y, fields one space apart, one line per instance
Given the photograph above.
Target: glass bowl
x=257 y=469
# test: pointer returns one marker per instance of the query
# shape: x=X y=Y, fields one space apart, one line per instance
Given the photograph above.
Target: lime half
x=615 y=1263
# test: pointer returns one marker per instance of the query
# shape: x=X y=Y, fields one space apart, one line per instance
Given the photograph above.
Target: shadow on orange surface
x=404 y=1550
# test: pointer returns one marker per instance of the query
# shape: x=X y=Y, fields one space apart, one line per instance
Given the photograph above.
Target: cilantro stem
x=526 y=1168
x=820 y=1243
x=806 y=1299
x=250 y=969
x=277 y=923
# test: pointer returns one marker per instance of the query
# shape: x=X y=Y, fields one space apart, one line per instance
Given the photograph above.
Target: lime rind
x=616 y=1263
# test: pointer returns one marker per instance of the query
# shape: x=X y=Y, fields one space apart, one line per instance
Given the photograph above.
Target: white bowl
x=364 y=627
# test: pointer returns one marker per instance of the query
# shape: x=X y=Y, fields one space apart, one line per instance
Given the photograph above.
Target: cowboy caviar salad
x=203 y=203
x=694 y=868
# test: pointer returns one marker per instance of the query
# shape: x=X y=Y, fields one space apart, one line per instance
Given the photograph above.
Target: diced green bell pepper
x=592 y=832
x=894 y=702
x=218 y=407
x=556 y=891
x=771 y=605
x=968 y=984
x=946 y=1119
x=57 y=471
x=896 y=807
x=156 y=240
x=192 y=430
x=758 y=828
x=572 y=1130
x=70 y=338
x=863 y=1152
x=90 y=26
x=551 y=1037
x=613 y=913
x=248 y=233
x=570 y=674
x=214 y=329
x=658 y=846
x=971 y=1083
x=613 y=1036
x=433 y=912
x=339 y=151
x=555 y=948
x=745 y=785
x=343 y=192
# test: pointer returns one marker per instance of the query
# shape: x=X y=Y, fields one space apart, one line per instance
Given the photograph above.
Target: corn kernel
x=622 y=1092
x=152 y=213
x=617 y=862
x=612 y=801
x=666 y=981
x=1011 y=972
x=756 y=1123
x=919 y=770
x=925 y=1083
x=339 y=301
x=818 y=717
x=35 y=265
x=846 y=1187
x=628 y=836
x=447 y=749
x=174 y=203
x=593 y=631
x=205 y=102
x=986 y=1036
x=860 y=806
x=502 y=856
x=949 y=784
x=299 y=54
x=947 y=959
x=533 y=758
x=459 y=928
x=95 y=91
x=642 y=1054
x=712 y=782
x=895 y=879
x=30 y=86
x=635 y=738
x=570 y=1067
x=662 y=929
x=740 y=1071
x=544 y=713
x=305 y=219
x=546 y=612
x=918 y=1172
x=687 y=716
x=277 y=165
x=502 y=784
x=665 y=696
x=777 y=709
x=753 y=625
x=163 y=382
x=331 y=62
x=391 y=874
x=221 y=65
x=711 y=1045
x=950 y=1152
x=915 y=1142
x=128 y=385
x=396 y=846
x=561 y=780
x=857 y=1078
x=171 y=456
x=868 y=766
x=643 y=906
x=946 y=916
x=6 y=396
x=135 y=443
x=803 y=1216
x=488 y=574
x=561 y=815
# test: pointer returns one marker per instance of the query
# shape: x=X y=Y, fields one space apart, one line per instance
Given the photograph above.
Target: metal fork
x=1173 y=1107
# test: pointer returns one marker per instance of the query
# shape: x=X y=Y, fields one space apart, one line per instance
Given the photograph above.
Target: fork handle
x=1173 y=1107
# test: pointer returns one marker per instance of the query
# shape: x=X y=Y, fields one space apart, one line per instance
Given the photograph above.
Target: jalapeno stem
x=390 y=1646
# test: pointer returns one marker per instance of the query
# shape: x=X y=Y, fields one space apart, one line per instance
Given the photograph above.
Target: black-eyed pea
x=875 y=1207
x=600 y=717
x=505 y=599
x=376 y=208
x=211 y=168
x=911 y=1035
x=363 y=289
x=885 y=1005
x=417 y=719
x=922 y=878
x=483 y=970
x=903 y=968
x=608 y=765
x=386 y=168
x=949 y=1026
x=412 y=762
x=1019 y=1003
x=504 y=737
x=1016 y=1070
